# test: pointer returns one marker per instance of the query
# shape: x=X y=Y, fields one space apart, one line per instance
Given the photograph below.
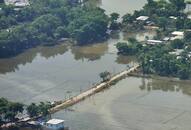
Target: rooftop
x=176 y=52
x=178 y=33
x=55 y=121
x=189 y=17
x=142 y=18
x=173 y=17
x=17 y=2
x=153 y=42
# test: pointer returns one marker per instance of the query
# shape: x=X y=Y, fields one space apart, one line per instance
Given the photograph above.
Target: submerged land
x=66 y=60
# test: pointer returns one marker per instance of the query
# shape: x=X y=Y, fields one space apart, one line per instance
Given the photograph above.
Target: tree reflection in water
x=166 y=85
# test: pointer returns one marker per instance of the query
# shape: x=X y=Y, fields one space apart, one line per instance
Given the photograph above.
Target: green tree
x=122 y=47
x=177 y=44
x=61 y=32
x=179 y=4
x=163 y=22
x=114 y=24
x=184 y=72
x=10 y=116
x=187 y=36
x=16 y=107
x=105 y=75
x=44 y=108
x=127 y=19
x=114 y=16
x=33 y=110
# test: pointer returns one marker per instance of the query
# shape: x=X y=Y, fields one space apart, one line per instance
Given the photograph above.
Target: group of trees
x=34 y=110
x=159 y=13
x=157 y=59
x=130 y=48
x=9 y=111
x=48 y=21
x=114 y=25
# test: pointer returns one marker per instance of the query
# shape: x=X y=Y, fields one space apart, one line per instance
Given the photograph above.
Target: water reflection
x=141 y=35
x=12 y=64
x=125 y=59
x=121 y=6
x=166 y=85
x=126 y=106
x=90 y=52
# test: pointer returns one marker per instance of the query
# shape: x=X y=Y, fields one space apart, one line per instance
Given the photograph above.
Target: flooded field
x=58 y=72
x=62 y=71
x=134 y=104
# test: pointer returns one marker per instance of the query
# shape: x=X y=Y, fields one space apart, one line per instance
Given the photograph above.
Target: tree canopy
x=48 y=21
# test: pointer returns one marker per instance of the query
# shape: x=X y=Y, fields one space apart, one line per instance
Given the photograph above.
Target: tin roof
x=55 y=121
x=178 y=33
x=142 y=18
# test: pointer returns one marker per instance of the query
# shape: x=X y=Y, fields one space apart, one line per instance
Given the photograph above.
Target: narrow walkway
x=97 y=88
x=69 y=102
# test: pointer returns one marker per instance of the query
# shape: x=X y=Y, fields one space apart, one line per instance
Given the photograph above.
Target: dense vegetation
x=9 y=111
x=159 y=59
x=46 y=21
x=159 y=13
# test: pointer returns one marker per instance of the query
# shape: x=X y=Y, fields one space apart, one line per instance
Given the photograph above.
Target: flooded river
x=119 y=6
x=62 y=71
x=134 y=104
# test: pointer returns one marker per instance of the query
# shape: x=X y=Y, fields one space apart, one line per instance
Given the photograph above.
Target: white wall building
x=55 y=124
x=142 y=18
x=177 y=35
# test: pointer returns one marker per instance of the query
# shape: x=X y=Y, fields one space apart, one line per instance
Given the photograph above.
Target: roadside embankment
x=95 y=89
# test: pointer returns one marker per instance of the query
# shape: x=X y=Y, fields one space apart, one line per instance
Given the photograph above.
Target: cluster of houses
x=172 y=36
x=52 y=124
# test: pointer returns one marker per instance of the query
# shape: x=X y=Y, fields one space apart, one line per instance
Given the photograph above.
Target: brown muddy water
x=62 y=71
x=58 y=72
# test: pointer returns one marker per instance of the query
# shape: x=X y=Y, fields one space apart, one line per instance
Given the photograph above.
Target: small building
x=166 y=39
x=55 y=124
x=176 y=52
x=189 y=16
x=17 y=3
x=177 y=35
x=173 y=17
x=189 y=54
x=142 y=18
x=154 y=42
